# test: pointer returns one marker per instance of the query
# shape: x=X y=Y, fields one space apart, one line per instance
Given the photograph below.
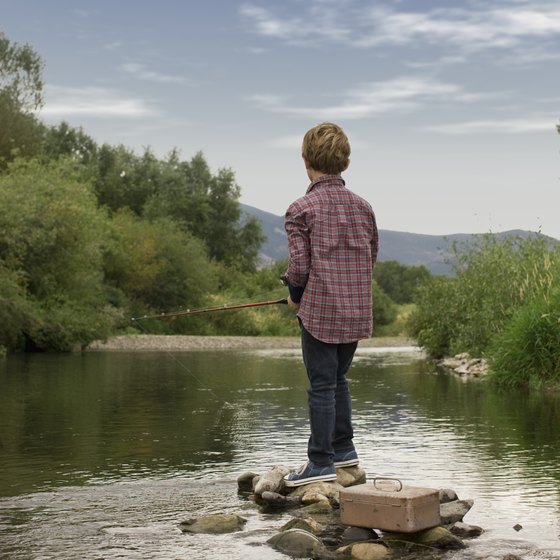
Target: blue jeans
x=330 y=405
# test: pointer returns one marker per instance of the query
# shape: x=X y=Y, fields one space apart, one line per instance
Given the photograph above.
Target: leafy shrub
x=399 y=281
x=384 y=308
x=493 y=279
x=432 y=322
x=527 y=352
x=51 y=239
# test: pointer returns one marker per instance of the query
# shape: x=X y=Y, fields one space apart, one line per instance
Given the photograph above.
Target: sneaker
x=346 y=459
x=309 y=473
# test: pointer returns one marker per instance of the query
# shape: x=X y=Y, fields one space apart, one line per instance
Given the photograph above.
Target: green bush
x=433 y=320
x=51 y=239
x=384 y=308
x=527 y=352
x=493 y=279
x=399 y=281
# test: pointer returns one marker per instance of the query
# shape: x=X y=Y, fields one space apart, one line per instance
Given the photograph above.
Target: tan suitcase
x=388 y=505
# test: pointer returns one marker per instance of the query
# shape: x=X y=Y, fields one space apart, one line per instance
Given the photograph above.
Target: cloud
x=404 y=93
x=469 y=28
x=322 y=21
x=94 y=102
x=140 y=72
x=504 y=126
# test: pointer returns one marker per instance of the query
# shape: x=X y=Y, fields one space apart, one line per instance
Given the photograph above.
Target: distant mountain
x=406 y=248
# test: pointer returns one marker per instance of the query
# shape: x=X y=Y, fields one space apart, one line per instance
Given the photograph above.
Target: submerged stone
x=299 y=544
x=461 y=529
x=368 y=551
x=217 y=523
x=438 y=537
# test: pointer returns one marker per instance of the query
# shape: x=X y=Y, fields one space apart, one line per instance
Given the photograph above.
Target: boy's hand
x=292 y=304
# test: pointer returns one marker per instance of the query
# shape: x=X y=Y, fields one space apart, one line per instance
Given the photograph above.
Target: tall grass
x=527 y=352
x=493 y=280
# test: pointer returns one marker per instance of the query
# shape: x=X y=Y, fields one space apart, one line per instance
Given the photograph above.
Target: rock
x=451 y=512
x=439 y=537
x=245 y=481
x=327 y=489
x=272 y=480
x=368 y=551
x=275 y=500
x=350 y=476
x=436 y=537
x=313 y=498
x=464 y=365
x=355 y=534
x=320 y=508
x=447 y=495
x=461 y=529
x=216 y=524
x=308 y=524
x=299 y=544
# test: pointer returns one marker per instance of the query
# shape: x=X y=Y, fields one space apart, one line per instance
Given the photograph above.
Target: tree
x=51 y=239
x=400 y=281
x=64 y=140
x=155 y=265
x=207 y=206
x=229 y=241
x=20 y=133
x=21 y=71
x=21 y=92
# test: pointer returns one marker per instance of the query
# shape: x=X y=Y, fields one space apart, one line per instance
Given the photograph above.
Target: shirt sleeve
x=299 y=249
x=374 y=241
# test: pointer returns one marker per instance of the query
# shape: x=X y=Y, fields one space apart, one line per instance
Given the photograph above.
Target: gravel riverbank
x=153 y=343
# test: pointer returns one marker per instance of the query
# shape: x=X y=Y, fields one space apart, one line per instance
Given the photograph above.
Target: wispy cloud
x=321 y=21
x=93 y=102
x=503 y=126
x=404 y=93
x=469 y=28
x=140 y=72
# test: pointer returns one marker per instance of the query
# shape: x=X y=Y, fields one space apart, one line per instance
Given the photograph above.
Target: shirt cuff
x=296 y=293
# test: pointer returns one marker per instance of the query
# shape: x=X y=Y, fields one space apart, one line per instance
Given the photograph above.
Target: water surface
x=103 y=454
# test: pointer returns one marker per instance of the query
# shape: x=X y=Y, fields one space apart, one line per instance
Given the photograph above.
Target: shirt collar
x=326 y=180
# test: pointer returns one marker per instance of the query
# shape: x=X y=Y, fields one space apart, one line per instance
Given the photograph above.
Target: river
x=103 y=454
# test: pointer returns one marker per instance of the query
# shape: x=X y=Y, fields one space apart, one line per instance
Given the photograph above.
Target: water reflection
x=125 y=443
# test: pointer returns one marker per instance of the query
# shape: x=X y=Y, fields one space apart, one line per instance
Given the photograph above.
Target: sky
x=450 y=106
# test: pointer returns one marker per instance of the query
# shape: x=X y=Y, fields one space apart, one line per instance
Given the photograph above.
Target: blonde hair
x=326 y=148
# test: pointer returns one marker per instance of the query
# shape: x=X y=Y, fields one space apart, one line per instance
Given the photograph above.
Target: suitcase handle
x=378 y=478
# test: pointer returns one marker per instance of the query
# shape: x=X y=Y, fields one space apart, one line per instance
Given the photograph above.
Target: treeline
x=92 y=235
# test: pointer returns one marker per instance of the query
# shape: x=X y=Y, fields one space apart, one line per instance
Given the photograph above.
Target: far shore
x=154 y=343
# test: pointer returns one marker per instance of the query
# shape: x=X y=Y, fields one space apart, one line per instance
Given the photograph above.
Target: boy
x=332 y=242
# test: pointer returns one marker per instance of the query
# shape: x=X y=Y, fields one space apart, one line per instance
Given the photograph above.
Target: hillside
x=406 y=248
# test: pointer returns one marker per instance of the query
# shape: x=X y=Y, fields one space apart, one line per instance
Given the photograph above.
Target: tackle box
x=388 y=505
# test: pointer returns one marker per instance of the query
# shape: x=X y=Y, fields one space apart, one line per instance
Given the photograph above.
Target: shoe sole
x=323 y=478
x=349 y=463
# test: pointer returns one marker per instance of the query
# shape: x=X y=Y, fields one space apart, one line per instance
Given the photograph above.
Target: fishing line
x=225 y=404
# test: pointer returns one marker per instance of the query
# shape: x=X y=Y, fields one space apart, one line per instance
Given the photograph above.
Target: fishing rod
x=224 y=307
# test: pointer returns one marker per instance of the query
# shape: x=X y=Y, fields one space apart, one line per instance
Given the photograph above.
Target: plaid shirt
x=333 y=243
